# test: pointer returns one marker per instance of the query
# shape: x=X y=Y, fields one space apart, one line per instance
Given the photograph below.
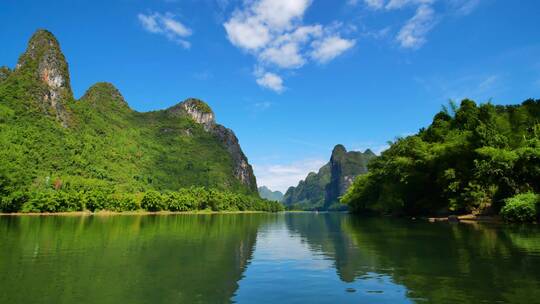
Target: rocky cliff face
x=44 y=61
x=344 y=167
x=242 y=169
x=323 y=189
x=202 y=114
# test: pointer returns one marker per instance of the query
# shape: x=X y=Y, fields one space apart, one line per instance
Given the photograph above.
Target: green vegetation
x=522 y=208
x=99 y=146
x=188 y=199
x=309 y=193
x=321 y=191
x=4 y=73
x=470 y=159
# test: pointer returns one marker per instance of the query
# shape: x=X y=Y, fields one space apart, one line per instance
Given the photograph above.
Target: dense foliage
x=187 y=199
x=522 y=208
x=50 y=140
x=470 y=159
x=106 y=144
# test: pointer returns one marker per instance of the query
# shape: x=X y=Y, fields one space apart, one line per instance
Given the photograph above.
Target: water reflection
x=124 y=259
x=296 y=259
x=447 y=263
x=265 y=258
x=440 y=263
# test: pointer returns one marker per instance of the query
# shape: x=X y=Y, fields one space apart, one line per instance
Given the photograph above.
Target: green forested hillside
x=321 y=190
x=49 y=140
x=470 y=159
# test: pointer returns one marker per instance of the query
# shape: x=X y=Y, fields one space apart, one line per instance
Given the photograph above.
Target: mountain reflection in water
x=265 y=258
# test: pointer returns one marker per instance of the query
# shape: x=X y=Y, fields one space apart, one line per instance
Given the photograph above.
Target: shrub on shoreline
x=188 y=199
x=521 y=208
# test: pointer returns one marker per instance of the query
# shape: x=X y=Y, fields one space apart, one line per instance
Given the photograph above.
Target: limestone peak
x=104 y=91
x=339 y=150
x=44 y=61
x=197 y=109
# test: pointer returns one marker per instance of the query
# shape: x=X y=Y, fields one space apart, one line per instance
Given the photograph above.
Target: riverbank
x=115 y=213
x=466 y=218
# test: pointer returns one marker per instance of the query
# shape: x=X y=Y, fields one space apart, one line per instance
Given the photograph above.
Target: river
x=265 y=258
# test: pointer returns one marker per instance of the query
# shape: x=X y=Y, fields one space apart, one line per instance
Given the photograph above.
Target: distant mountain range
x=321 y=191
x=268 y=194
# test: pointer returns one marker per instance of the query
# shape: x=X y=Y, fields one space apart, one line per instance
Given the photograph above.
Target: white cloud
x=398 y=4
x=259 y=22
x=272 y=31
x=330 y=48
x=247 y=33
x=149 y=23
x=165 y=24
x=280 y=14
x=176 y=28
x=282 y=176
x=413 y=34
x=284 y=56
x=464 y=7
x=270 y=81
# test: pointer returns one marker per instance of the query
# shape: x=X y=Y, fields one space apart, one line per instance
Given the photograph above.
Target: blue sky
x=293 y=78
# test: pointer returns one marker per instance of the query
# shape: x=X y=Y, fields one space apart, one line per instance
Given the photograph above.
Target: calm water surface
x=265 y=258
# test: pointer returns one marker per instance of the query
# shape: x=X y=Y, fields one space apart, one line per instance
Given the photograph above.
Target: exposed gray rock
x=344 y=167
x=45 y=61
x=199 y=112
x=202 y=114
x=242 y=169
x=321 y=190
